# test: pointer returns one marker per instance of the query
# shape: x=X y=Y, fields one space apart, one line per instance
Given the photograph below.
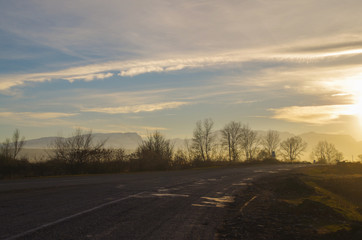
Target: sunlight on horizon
x=354 y=87
x=347 y=85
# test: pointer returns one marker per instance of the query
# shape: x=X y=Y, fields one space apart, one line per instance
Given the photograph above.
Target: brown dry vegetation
x=322 y=202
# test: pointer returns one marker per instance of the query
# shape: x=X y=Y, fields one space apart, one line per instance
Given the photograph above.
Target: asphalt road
x=186 y=204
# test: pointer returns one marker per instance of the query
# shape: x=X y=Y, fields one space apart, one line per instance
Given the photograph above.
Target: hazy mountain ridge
x=112 y=140
x=130 y=141
x=344 y=143
x=38 y=149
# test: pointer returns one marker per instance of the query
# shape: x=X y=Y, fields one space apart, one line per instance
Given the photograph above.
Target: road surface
x=187 y=204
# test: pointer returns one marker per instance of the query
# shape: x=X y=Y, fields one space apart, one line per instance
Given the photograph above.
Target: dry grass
x=338 y=187
x=314 y=203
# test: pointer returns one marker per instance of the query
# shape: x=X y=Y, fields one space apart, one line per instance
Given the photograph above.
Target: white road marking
x=71 y=216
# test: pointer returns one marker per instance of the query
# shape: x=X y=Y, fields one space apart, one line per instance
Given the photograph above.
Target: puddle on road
x=212 y=179
x=241 y=184
x=163 y=190
x=215 y=202
x=160 y=194
x=223 y=199
x=169 y=195
x=271 y=171
x=248 y=179
x=200 y=182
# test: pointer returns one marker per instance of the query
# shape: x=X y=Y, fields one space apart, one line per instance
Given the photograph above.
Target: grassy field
x=337 y=186
x=314 y=202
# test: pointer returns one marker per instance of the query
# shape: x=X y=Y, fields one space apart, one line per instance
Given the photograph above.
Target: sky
x=146 y=65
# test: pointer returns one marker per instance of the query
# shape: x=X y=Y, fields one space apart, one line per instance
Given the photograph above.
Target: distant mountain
x=128 y=141
x=39 y=143
x=282 y=135
x=343 y=143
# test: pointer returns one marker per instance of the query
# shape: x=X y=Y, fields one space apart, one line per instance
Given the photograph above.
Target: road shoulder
x=290 y=205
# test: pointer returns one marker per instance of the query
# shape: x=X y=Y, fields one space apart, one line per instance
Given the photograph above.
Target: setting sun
x=354 y=88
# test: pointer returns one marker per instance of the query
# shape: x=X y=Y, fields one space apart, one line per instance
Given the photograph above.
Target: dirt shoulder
x=322 y=202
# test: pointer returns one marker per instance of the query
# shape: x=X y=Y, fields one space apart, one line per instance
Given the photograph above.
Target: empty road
x=187 y=204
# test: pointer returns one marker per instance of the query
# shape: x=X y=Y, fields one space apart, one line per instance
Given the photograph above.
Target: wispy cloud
x=35 y=115
x=89 y=77
x=38 y=120
x=313 y=114
x=133 y=68
x=136 y=108
x=128 y=68
x=325 y=45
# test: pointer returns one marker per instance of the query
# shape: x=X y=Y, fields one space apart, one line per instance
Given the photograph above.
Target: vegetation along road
x=187 y=204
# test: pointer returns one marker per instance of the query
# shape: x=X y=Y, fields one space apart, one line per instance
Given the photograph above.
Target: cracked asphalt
x=188 y=204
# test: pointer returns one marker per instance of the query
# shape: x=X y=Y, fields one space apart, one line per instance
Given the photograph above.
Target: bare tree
x=5 y=148
x=11 y=148
x=189 y=150
x=326 y=152
x=77 y=150
x=271 y=142
x=231 y=135
x=203 y=138
x=249 y=141
x=180 y=160
x=293 y=147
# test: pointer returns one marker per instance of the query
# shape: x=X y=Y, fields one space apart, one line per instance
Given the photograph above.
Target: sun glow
x=354 y=87
x=358 y=106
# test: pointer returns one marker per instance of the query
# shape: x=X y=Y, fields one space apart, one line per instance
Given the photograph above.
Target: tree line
x=235 y=143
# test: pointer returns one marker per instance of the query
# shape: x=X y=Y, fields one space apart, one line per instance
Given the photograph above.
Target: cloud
x=313 y=114
x=95 y=98
x=158 y=29
x=311 y=57
x=38 y=119
x=343 y=43
x=134 y=68
x=90 y=77
x=136 y=108
x=141 y=70
x=36 y=115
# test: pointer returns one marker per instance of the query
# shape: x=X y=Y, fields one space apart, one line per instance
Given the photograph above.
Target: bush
x=12 y=168
x=154 y=153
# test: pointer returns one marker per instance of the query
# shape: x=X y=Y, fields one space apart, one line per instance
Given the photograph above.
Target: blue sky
x=139 y=66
